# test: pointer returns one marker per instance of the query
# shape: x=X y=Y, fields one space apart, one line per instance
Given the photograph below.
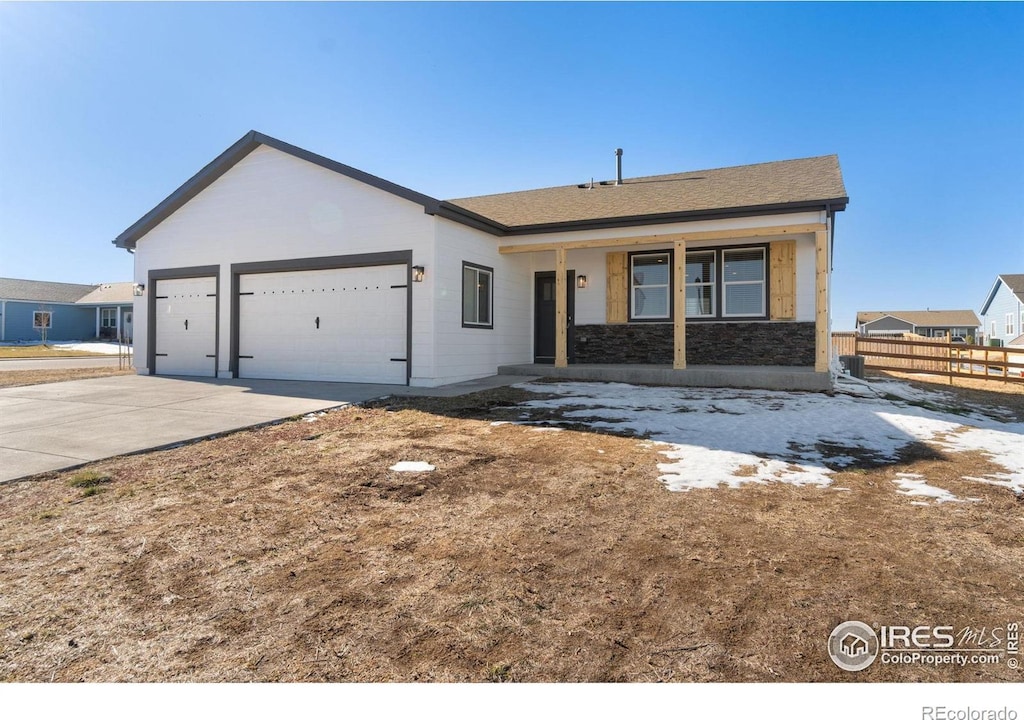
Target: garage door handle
x=318 y=322
x=186 y=324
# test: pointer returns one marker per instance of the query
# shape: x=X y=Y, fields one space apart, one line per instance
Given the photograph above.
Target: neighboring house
x=274 y=262
x=927 y=323
x=1003 y=312
x=67 y=311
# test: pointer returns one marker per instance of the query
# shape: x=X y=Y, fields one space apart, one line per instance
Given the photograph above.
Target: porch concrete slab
x=736 y=376
x=61 y=425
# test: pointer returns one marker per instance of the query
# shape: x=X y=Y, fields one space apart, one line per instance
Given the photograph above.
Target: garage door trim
x=333 y=262
x=182 y=273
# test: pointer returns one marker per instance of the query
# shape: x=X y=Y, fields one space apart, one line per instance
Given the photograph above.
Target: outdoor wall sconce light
x=581 y=281
x=417 y=273
x=138 y=289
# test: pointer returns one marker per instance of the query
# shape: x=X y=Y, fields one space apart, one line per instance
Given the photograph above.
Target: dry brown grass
x=43 y=351
x=292 y=553
x=18 y=378
x=974 y=390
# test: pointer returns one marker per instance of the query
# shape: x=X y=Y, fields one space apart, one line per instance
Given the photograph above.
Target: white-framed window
x=743 y=282
x=994 y=333
x=700 y=284
x=42 y=319
x=650 y=283
x=477 y=296
x=108 y=317
x=1009 y=325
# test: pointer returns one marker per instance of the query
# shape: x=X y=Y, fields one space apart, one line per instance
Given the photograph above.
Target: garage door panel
x=342 y=325
x=186 y=327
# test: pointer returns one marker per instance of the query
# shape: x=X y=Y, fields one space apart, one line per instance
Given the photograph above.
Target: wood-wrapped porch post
x=561 y=312
x=679 y=307
x=821 y=339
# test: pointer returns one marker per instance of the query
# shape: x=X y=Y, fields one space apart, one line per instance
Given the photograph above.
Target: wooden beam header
x=668 y=238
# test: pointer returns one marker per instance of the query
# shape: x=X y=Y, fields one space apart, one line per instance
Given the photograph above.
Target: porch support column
x=561 y=311
x=679 y=307
x=97 y=322
x=821 y=340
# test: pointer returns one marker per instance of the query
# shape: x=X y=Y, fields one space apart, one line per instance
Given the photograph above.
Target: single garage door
x=340 y=325
x=186 y=327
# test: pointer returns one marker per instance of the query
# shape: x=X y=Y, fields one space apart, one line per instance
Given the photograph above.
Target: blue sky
x=106 y=108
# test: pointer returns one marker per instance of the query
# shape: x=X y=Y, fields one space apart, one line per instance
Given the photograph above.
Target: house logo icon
x=853 y=646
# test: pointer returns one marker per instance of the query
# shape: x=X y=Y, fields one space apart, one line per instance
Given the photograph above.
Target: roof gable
x=1014 y=283
x=231 y=157
x=121 y=293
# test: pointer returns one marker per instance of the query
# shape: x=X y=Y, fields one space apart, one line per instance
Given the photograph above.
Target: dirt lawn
x=19 y=378
x=293 y=553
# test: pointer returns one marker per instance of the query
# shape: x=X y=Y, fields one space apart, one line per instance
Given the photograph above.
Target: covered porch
x=672 y=364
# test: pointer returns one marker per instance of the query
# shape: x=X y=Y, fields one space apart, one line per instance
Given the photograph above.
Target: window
x=700 y=284
x=721 y=284
x=477 y=295
x=42 y=320
x=650 y=283
x=994 y=332
x=743 y=282
x=108 y=317
x=1009 y=325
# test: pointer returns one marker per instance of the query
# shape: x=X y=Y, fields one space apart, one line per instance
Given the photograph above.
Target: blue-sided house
x=64 y=311
x=1002 y=314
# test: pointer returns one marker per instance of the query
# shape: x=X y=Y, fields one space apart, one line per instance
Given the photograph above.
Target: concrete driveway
x=60 y=425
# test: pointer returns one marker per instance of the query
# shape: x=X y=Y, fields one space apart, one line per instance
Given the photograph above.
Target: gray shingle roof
x=782 y=183
x=122 y=293
x=1015 y=283
x=42 y=291
x=925 y=318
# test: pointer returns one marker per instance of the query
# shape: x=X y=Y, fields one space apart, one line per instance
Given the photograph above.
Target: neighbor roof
x=1014 y=282
x=783 y=186
x=924 y=318
x=779 y=185
x=115 y=293
x=42 y=291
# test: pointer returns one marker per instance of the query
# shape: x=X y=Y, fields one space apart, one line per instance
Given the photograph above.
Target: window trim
x=713 y=284
x=113 y=317
x=718 y=295
x=671 y=287
x=763 y=282
x=49 y=319
x=1010 y=333
x=490 y=296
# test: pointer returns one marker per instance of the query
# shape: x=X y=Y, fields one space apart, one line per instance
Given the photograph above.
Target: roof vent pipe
x=618 y=166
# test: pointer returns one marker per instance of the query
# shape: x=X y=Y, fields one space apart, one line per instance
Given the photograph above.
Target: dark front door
x=544 y=315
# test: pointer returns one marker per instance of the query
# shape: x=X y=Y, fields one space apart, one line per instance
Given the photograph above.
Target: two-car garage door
x=340 y=325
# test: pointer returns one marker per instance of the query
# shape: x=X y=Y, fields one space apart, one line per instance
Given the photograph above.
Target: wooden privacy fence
x=934 y=357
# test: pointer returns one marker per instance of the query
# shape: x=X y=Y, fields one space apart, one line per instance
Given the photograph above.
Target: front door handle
x=186 y=324
x=317 y=322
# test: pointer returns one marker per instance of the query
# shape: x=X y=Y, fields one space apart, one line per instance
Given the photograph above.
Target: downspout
x=3 y=320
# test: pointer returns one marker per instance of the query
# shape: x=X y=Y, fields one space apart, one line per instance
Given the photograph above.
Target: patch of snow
x=547 y=429
x=105 y=348
x=720 y=436
x=496 y=423
x=915 y=485
x=314 y=416
x=412 y=466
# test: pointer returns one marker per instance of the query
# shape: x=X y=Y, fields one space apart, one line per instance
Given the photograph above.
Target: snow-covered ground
x=713 y=437
x=106 y=348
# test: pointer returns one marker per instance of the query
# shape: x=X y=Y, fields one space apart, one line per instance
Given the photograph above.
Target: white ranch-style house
x=274 y=262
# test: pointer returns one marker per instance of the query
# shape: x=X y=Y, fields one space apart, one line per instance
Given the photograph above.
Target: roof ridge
x=635 y=179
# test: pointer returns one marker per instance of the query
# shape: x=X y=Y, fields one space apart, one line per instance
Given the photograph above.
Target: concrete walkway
x=61 y=425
